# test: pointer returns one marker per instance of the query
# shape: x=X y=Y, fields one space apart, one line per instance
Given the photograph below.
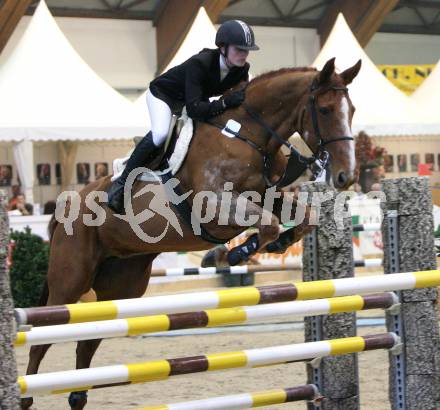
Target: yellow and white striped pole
x=117 y=309
x=87 y=379
x=207 y=318
x=246 y=400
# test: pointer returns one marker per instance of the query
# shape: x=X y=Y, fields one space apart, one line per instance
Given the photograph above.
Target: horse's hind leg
x=36 y=355
x=85 y=351
x=72 y=265
x=116 y=279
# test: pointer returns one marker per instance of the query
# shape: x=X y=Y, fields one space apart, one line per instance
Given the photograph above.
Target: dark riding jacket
x=194 y=81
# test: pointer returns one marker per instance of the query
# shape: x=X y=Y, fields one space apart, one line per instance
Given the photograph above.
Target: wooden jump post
x=9 y=392
x=328 y=254
x=408 y=239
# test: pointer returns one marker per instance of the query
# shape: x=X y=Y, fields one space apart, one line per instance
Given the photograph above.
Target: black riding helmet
x=236 y=33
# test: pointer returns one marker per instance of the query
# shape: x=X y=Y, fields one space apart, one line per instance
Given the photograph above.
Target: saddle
x=172 y=154
x=168 y=163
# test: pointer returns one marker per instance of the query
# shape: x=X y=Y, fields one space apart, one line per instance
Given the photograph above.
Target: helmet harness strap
x=225 y=54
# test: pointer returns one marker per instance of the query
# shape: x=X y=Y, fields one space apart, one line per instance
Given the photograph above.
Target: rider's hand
x=234 y=99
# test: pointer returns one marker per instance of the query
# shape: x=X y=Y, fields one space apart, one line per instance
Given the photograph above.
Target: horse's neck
x=281 y=107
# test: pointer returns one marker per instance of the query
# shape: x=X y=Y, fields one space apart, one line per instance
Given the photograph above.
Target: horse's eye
x=324 y=110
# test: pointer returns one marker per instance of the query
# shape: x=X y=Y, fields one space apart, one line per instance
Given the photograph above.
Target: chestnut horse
x=111 y=258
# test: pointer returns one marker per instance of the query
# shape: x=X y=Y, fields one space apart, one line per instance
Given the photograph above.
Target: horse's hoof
x=26 y=403
x=216 y=257
x=78 y=400
x=275 y=247
x=243 y=252
x=281 y=245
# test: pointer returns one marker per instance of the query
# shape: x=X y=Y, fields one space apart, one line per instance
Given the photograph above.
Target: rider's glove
x=233 y=99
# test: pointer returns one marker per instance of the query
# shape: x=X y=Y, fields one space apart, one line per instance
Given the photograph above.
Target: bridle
x=297 y=163
x=314 y=114
x=318 y=162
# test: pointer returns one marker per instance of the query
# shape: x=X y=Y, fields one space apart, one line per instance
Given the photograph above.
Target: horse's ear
x=327 y=71
x=350 y=73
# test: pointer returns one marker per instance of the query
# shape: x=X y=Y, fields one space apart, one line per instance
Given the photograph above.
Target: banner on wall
x=406 y=77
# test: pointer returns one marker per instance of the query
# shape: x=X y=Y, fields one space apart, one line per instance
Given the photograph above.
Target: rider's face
x=236 y=56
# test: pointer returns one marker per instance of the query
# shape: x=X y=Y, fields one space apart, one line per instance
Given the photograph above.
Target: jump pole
x=207 y=318
x=245 y=269
x=232 y=270
x=246 y=400
x=250 y=296
x=107 y=376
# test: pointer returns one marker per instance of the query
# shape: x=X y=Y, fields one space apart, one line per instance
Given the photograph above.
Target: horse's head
x=325 y=124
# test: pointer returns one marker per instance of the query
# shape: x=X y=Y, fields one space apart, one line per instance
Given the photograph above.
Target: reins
x=297 y=162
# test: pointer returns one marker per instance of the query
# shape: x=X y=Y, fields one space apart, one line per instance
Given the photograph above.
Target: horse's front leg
x=287 y=208
x=244 y=212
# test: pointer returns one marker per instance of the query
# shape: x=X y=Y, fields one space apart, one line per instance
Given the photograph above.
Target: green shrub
x=30 y=257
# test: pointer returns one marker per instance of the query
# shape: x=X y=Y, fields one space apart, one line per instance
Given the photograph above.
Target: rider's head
x=235 y=39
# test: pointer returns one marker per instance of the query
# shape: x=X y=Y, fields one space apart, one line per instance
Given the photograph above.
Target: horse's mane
x=281 y=71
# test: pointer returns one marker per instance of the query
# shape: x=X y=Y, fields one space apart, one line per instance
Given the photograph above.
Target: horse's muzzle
x=343 y=180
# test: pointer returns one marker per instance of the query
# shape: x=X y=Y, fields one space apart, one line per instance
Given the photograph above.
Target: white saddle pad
x=177 y=157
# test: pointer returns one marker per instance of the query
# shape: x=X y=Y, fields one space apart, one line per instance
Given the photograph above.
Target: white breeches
x=160 y=117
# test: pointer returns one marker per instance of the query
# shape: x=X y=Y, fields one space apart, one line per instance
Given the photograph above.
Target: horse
x=114 y=259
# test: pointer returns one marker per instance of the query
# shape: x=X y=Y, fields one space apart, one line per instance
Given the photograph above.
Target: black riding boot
x=142 y=155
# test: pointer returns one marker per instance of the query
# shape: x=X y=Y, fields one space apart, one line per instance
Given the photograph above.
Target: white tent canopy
x=200 y=35
x=47 y=92
x=381 y=109
x=427 y=96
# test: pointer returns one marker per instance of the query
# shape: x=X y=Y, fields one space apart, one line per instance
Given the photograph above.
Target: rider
x=210 y=72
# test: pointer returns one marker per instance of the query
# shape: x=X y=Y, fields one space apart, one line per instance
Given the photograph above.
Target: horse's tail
x=44 y=294
x=45 y=290
x=51 y=228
